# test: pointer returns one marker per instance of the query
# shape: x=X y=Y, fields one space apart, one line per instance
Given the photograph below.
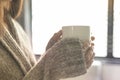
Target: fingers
x=92 y=44
x=92 y=38
x=89 y=64
x=89 y=56
x=57 y=35
x=89 y=52
x=85 y=45
x=54 y=39
x=88 y=43
x=89 y=60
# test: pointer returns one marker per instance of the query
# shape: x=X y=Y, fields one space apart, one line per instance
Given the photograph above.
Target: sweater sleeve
x=64 y=60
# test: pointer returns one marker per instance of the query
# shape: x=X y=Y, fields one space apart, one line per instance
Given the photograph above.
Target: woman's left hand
x=88 y=48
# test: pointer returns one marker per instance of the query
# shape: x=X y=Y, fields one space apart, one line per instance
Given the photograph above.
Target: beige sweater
x=17 y=62
x=63 y=60
x=16 y=57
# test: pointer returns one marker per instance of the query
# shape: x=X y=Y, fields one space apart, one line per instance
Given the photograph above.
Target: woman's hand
x=55 y=38
x=88 y=47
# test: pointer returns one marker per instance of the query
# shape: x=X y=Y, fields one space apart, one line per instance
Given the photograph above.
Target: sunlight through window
x=50 y=15
x=116 y=48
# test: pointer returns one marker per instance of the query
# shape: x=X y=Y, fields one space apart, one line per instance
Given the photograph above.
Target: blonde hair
x=8 y=7
x=13 y=7
x=4 y=6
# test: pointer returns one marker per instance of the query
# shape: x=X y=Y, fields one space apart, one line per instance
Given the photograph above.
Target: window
x=116 y=41
x=50 y=15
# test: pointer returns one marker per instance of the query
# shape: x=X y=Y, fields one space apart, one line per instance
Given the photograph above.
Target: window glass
x=50 y=15
x=116 y=48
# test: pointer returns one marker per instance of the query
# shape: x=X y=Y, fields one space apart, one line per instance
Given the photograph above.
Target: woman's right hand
x=55 y=38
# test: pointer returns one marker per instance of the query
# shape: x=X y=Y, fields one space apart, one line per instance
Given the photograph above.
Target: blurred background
x=42 y=18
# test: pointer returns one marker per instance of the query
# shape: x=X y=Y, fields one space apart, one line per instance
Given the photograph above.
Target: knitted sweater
x=17 y=62
x=16 y=57
x=63 y=60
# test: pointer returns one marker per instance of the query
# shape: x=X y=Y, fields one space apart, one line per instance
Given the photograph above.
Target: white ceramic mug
x=80 y=32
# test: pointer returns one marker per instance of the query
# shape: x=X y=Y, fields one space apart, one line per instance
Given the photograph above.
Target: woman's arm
x=64 y=59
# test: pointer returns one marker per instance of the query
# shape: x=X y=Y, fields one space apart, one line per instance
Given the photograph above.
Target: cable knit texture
x=63 y=60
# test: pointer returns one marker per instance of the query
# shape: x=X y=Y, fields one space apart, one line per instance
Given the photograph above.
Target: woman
x=62 y=59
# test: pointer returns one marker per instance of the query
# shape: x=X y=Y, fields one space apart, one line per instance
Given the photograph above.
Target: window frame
x=110 y=29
